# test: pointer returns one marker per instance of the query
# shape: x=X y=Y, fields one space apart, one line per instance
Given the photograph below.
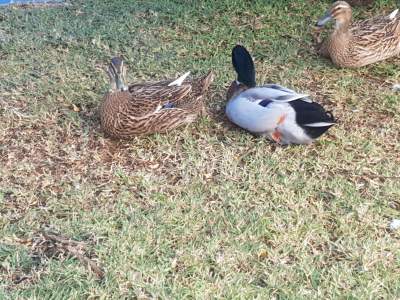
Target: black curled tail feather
x=319 y=116
x=244 y=66
x=330 y=117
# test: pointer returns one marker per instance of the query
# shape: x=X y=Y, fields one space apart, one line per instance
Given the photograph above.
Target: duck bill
x=325 y=19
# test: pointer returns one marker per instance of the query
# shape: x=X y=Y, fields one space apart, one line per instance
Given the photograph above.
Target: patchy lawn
x=208 y=211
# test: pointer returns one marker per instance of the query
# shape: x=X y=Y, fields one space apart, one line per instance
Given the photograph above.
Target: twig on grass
x=72 y=247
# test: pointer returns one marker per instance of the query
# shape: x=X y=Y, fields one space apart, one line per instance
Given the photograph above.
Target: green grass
x=208 y=211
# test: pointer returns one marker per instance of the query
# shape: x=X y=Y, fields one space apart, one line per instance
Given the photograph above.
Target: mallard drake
x=147 y=108
x=360 y=43
x=271 y=110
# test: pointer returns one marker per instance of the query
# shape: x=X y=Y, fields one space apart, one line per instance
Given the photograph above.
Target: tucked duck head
x=340 y=12
x=235 y=89
x=116 y=72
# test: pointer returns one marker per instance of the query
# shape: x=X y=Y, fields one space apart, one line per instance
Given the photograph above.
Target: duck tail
x=394 y=14
x=244 y=66
x=206 y=81
x=320 y=126
x=180 y=80
x=202 y=84
x=195 y=103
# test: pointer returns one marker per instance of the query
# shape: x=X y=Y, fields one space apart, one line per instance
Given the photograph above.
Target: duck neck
x=235 y=89
x=341 y=35
x=120 y=84
x=338 y=44
x=342 y=26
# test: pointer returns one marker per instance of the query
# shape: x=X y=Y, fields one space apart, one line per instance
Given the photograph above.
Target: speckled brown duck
x=147 y=108
x=360 y=2
x=356 y=44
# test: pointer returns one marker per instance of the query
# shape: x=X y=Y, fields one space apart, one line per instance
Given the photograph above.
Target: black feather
x=244 y=66
x=308 y=113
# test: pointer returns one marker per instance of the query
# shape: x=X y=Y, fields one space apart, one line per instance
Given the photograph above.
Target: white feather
x=158 y=108
x=396 y=87
x=262 y=93
x=395 y=224
x=180 y=80
x=292 y=133
x=278 y=87
x=319 y=124
x=294 y=97
x=254 y=117
x=393 y=14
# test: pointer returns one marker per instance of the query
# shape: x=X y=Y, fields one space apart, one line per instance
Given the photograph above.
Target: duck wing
x=164 y=91
x=380 y=29
x=279 y=88
x=146 y=102
x=162 y=121
x=159 y=94
x=273 y=93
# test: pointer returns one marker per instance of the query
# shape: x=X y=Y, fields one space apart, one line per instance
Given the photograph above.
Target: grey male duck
x=270 y=110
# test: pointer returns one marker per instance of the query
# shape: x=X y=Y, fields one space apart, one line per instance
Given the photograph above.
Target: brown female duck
x=360 y=2
x=148 y=108
x=356 y=44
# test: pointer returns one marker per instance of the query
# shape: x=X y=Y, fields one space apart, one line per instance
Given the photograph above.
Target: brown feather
x=360 y=2
x=139 y=110
x=356 y=44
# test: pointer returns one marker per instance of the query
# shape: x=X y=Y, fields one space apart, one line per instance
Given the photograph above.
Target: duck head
x=340 y=12
x=116 y=72
x=235 y=89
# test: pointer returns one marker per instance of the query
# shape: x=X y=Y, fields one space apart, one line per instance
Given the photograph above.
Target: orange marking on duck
x=276 y=136
x=281 y=119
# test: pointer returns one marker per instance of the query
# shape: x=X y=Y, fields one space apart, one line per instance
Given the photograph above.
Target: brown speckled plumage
x=360 y=2
x=149 y=108
x=356 y=44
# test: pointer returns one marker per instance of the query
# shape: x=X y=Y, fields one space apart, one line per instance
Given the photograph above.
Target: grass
x=208 y=211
